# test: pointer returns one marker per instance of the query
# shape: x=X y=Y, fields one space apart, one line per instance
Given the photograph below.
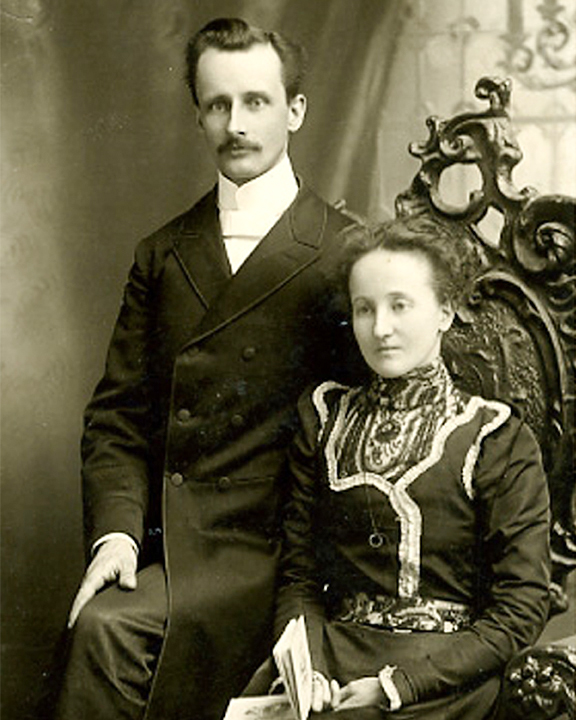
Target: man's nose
x=236 y=120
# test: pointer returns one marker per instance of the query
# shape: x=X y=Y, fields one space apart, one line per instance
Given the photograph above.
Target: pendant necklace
x=387 y=430
x=376 y=538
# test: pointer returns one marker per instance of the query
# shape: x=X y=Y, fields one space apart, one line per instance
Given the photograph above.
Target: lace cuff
x=390 y=690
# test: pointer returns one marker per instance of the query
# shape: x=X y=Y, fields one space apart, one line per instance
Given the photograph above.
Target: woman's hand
x=325 y=693
x=360 y=693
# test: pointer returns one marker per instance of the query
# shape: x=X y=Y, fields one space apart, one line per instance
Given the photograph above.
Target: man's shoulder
x=329 y=222
x=337 y=212
x=184 y=223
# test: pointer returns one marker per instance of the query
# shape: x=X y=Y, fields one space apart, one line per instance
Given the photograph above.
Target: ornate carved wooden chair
x=516 y=338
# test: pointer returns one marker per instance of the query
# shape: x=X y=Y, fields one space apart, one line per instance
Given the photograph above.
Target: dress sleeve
x=299 y=593
x=116 y=423
x=513 y=513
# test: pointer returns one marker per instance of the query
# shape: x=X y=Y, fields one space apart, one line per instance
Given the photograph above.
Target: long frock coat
x=193 y=416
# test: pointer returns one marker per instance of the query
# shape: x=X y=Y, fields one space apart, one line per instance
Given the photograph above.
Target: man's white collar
x=271 y=193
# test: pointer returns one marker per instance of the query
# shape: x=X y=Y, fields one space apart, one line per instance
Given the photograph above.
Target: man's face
x=243 y=110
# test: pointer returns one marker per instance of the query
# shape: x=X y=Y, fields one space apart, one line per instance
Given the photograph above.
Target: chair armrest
x=540 y=683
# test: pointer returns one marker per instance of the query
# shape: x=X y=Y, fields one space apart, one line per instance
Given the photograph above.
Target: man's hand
x=360 y=693
x=115 y=561
x=325 y=693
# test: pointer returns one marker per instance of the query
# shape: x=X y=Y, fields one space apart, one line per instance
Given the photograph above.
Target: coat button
x=177 y=479
x=248 y=353
x=224 y=483
x=237 y=421
x=183 y=414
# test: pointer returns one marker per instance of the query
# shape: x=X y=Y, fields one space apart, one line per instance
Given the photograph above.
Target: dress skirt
x=353 y=651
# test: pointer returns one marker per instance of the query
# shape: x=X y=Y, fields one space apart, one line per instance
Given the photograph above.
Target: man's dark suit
x=194 y=413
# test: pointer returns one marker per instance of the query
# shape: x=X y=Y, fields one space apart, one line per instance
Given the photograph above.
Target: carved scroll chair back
x=515 y=338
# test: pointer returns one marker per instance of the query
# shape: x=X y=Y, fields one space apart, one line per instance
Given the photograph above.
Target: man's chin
x=240 y=174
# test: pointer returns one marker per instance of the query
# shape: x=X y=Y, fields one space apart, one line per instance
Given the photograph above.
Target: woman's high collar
x=421 y=386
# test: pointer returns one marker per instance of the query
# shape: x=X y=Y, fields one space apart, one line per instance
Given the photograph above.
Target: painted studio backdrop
x=100 y=147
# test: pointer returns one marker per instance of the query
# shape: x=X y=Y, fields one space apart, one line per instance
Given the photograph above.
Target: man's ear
x=296 y=112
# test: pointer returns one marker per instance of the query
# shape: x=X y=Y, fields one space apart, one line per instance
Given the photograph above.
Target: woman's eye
x=361 y=310
x=399 y=306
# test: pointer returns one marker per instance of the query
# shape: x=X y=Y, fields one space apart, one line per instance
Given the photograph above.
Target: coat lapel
x=199 y=249
x=290 y=246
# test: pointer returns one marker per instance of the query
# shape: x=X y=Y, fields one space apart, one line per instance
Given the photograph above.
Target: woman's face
x=397 y=318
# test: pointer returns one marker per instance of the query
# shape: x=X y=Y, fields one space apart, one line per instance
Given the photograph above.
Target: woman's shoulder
x=496 y=418
x=487 y=434
x=328 y=394
x=319 y=402
x=489 y=414
x=503 y=439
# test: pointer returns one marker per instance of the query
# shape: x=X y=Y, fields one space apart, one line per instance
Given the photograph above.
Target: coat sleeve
x=513 y=511
x=116 y=431
x=299 y=593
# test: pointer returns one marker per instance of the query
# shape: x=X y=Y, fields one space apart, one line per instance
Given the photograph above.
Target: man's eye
x=255 y=103
x=218 y=106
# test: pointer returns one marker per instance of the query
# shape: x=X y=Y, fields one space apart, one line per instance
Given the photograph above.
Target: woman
x=416 y=535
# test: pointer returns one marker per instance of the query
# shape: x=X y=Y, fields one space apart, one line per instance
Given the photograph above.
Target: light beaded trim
x=319 y=401
x=387 y=685
x=503 y=412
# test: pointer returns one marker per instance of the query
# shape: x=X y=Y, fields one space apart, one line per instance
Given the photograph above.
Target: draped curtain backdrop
x=100 y=147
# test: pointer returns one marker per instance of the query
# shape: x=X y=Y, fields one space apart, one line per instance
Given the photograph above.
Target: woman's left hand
x=325 y=693
x=361 y=692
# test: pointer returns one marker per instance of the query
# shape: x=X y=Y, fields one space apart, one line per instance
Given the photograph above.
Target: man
x=227 y=316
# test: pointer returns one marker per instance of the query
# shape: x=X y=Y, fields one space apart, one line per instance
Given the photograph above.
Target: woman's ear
x=199 y=119
x=447 y=313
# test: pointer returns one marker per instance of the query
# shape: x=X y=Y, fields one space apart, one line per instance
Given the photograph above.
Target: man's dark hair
x=236 y=34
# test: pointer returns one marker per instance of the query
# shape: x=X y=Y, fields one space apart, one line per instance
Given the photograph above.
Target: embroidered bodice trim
x=355 y=413
x=393 y=424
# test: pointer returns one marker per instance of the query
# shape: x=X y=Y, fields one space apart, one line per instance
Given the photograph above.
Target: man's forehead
x=259 y=62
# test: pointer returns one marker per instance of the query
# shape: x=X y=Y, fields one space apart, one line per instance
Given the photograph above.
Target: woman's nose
x=382 y=324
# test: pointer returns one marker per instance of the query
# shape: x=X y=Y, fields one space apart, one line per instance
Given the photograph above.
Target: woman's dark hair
x=236 y=34
x=453 y=260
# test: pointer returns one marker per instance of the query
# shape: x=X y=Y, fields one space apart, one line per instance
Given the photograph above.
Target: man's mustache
x=237 y=144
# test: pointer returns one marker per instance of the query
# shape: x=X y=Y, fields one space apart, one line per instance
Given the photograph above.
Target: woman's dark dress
x=452 y=490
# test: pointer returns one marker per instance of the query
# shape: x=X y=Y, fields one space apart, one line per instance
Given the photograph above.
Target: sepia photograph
x=288 y=359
